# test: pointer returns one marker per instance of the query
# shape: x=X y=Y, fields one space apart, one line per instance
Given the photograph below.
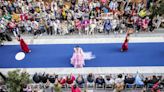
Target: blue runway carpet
x=107 y=55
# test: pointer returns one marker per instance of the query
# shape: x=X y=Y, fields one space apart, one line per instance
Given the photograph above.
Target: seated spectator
x=129 y=79
x=119 y=83
x=109 y=80
x=70 y=79
x=51 y=78
x=156 y=87
x=44 y=78
x=90 y=78
x=146 y=81
x=75 y=88
x=36 y=78
x=138 y=80
x=36 y=88
x=80 y=80
x=154 y=79
x=57 y=87
x=150 y=80
x=27 y=88
x=100 y=80
x=48 y=87
x=162 y=81
x=62 y=81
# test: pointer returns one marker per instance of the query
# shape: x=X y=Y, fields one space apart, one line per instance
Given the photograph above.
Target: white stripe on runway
x=95 y=70
x=88 y=40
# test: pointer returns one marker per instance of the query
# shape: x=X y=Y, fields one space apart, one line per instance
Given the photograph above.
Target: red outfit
x=77 y=89
x=24 y=46
x=125 y=44
x=70 y=81
x=62 y=81
x=155 y=87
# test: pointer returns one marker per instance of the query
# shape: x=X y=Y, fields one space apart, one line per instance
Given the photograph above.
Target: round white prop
x=20 y=56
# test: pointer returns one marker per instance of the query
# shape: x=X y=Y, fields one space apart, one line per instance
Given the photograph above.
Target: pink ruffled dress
x=77 y=59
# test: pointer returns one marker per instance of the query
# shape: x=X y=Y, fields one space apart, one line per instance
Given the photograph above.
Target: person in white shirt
x=28 y=27
x=49 y=25
x=64 y=27
x=35 y=26
x=119 y=83
x=93 y=24
x=100 y=26
x=91 y=6
x=54 y=7
x=55 y=28
x=59 y=26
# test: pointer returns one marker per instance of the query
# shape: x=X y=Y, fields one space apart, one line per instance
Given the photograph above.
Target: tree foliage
x=161 y=7
x=17 y=79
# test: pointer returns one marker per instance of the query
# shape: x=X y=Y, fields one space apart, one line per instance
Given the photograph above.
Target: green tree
x=17 y=79
x=161 y=7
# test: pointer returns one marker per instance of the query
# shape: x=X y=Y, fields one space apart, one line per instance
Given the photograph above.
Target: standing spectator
x=13 y=26
x=54 y=7
x=35 y=27
x=145 y=23
x=42 y=26
x=54 y=27
x=7 y=16
x=113 y=6
x=15 y=17
x=27 y=25
x=107 y=26
x=49 y=26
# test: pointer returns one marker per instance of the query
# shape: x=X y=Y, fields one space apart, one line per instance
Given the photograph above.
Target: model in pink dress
x=77 y=59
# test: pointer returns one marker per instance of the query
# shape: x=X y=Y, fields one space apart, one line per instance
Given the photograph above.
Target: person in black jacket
x=100 y=80
x=80 y=80
x=90 y=78
x=129 y=79
x=37 y=78
x=1 y=39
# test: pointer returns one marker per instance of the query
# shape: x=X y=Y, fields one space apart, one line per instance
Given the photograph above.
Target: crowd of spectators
x=78 y=82
x=77 y=16
x=45 y=82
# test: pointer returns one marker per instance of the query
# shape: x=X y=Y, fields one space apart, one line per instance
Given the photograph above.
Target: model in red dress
x=24 y=46
x=125 y=44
